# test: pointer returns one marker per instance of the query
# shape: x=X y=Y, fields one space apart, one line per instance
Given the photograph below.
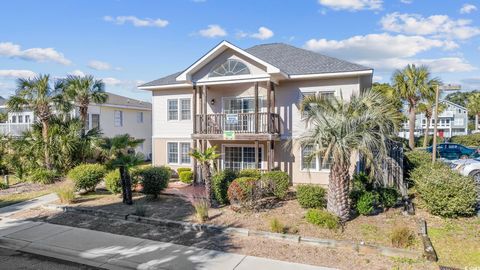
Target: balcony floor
x=238 y=137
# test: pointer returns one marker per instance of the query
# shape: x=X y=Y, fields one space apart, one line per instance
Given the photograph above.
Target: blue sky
x=126 y=42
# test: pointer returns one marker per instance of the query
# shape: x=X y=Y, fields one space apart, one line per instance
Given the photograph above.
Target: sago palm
x=413 y=84
x=338 y=128
x=117 y=152
x=206 y=158
x=37 y=95
x=83 y=91
x=474 y=107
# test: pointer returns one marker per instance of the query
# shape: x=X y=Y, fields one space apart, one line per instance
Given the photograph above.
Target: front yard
x=23 y=191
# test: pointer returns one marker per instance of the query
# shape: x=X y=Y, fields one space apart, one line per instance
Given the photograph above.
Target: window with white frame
x=241 y=157
x=118 y=118
x=172 y=109
x=458 y=121
x=179 y=109
x=95 y=120
x=14 y=119
x=27 y=118
x=178 y=153
x=186 y=113
x=139 y=117
x=313 y=161
x=20 y=119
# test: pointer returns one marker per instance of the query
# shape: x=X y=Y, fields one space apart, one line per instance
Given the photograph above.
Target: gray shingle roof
x=289 y=59
x=114 y=99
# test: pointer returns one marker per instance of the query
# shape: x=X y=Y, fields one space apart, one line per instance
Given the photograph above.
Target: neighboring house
x=119 y=115
x=452 y=121
x=247 y=103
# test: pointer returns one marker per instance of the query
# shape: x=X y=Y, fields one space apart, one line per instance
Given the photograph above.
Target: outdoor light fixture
x=212 y=102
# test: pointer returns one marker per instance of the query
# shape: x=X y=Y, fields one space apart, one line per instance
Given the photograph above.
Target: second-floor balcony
x=14 y=129
x=240 y=123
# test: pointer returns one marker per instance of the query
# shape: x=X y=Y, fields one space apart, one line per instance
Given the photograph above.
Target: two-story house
x=247 y=103
x=452 y=121
x=119 y=115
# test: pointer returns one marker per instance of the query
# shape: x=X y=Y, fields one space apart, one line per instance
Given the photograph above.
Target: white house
x=246 y=102
x=119 y=115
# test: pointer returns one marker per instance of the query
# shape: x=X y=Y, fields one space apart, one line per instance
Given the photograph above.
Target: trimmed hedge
x=155 y=179
x=186 y=177
x=322 y=219
x=277 y=182
x=445 y=192
x=87 y=176
x=185 y=169
x=311 y=196
x=220 y=183
x=112 y=182
x=467 y=140
x=254 y=173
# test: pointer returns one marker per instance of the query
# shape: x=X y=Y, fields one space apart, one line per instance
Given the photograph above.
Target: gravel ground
x=23 y=187
x=255 y=246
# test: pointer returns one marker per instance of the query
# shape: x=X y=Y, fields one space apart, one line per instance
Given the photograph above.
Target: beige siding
x=162 y=127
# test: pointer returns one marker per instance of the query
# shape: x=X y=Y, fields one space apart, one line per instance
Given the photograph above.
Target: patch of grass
x=140 y=209
x=370 y=232
x=456 y=242
x=66 y=193
x=276 y=226
x=402 y=237
x=6 y=200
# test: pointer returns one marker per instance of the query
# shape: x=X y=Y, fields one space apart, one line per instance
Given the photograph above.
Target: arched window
x=229 y=68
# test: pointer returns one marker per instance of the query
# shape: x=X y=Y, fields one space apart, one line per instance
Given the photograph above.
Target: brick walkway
x=184 y=190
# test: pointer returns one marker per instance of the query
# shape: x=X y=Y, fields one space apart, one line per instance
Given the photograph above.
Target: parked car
x=468 y=167
x=452 y=151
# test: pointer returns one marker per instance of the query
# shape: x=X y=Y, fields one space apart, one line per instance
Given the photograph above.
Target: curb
x=328 y=243
x=428 y=251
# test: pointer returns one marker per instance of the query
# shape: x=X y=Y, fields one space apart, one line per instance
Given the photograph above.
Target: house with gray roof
x=246 y=103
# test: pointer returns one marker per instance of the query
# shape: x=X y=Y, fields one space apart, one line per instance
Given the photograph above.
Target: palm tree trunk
x=411 y=127
x=45 y=142
x=427 y=130
x=126 y=185
x=83 y=118
x=208 y=184
x=338 y=185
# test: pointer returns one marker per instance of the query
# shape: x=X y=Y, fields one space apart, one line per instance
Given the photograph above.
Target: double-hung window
x=312 y=161
x=178 y=153
x=95 y=120
x=118 y=118
x=179 y=109
x=185 y=111
x=139 y=117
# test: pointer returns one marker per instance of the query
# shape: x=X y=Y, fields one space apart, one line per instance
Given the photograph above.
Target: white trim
x=172 y=138
x=179 y=109
x=179 y=163
x=121 y=106
x=217 y=50
x=331 y=75
x=241 y=145
x=165 y=86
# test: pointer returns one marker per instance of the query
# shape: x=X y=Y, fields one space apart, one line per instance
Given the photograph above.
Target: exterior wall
x=160 y=152
x=130 y=124
x=161 y=126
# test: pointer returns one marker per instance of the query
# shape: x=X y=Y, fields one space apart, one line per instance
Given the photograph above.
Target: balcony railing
x=14 y=129
x=238 y=122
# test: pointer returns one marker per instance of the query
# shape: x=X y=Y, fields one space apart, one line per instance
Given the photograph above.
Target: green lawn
x=6 y=200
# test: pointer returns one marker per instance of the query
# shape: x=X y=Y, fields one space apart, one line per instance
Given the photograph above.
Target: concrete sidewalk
x=18 y=207
x=113 y=251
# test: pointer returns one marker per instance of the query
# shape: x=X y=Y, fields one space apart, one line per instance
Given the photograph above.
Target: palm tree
x=37 y=95
x=427 y=108
x=117 y=151
x=339 y=128
x=83 y=91
x=413 y=84
x=474 y=107
x=206 y=158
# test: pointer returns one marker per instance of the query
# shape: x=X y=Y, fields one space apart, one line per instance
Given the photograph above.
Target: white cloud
x=12 y=50
x=377 y=78
x=77 y=73
x=351 y=5
x=406 y=1
x=17 y=73
x=99 y=65
x=446 y=64
x=377 y=46
x=212 y=31
x=262 y=34
x=435 y=25
x=467 y=8
x=112 y=81
x=137 y=22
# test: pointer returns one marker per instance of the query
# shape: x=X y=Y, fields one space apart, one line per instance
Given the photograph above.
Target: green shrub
x=388 y=197
x=366 y=203
x=3 y=185
x=253 y=173
x=277 y=182
x=402 y=237
x=87 y=176
x=445 y=192
x=112 y=182
x=155 y=179
x=362 y=182
x=220 y=183
x=243 y=191
x=66 y=193
x=467 y=140
x=186 y=177
x=185 y=169
x=311 y=196
x=42 y=176
x=201 y=210
x=277 y=227
x=322 y=219
x=140 y=209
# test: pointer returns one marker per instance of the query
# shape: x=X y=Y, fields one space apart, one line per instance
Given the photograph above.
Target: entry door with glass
x=241 y=157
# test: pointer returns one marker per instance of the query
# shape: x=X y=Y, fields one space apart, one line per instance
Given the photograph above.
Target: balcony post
x=194 y=131
x=269 y=155
x=256 y=154
x=256 y=108
x=205 y=104
x=274 y=104
x=269 y=107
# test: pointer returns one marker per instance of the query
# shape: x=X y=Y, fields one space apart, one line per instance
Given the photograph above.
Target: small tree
x=117 y=151
x=206 y=158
